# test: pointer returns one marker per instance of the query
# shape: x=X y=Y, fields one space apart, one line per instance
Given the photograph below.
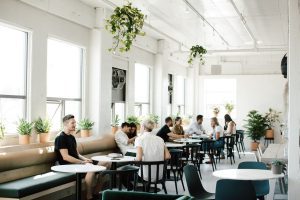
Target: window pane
x=137 y=110
x=120 y=110
x=11 y=110
x=54 y=115
x=142 y=83
x=13 y=48
x=179 y=90
x=145 y=109
x=73 y=107
x=63 y=70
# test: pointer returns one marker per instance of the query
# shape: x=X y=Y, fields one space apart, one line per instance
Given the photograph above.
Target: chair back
x=124 y=195
x=262 y=188
x=234 y=190
x=191 y=151
x=150 y=170
x=175 y=161
x=241 y=135
x=125 y=172
x=193 y=181
x=228 y=141
x=207 y=146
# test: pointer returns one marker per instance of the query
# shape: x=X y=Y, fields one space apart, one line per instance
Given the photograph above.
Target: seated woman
x=177 y=131
x=230 y=126
x=151 y=148
x=217 y=134
x=132 y=131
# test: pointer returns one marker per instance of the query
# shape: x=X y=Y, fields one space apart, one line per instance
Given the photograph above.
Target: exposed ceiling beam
x=204 y=20
x=244 y=23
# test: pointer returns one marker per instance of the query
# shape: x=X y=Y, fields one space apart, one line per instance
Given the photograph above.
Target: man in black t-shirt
x=67 y=153
x=165 y=131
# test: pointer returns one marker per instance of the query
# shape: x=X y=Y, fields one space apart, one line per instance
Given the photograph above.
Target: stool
x=268 y=140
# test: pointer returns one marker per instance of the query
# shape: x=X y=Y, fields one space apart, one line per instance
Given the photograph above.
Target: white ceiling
x=267 y=20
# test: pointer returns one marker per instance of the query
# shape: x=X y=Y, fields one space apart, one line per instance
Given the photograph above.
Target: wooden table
x=274 y=152
x=79 y=169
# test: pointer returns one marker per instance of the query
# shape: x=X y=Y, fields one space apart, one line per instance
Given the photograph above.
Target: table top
x=246 y=174
x=78 y=168
x=187 y=140
x=132 y=150
x=174 y=145
x=109 y=159
x=202 y=136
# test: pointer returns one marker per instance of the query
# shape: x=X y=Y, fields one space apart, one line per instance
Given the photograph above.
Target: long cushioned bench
x=27 y=174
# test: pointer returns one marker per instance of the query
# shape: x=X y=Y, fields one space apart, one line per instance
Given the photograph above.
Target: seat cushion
x=34 y=184
x=117 y=195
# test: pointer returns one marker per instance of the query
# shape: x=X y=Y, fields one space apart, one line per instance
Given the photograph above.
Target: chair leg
x=180 y=174
x=164 y=187
x=238 y=150
x=261 y=198
x=175 y=180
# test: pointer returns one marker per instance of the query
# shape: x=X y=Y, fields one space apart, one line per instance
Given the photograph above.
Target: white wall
x=253 y=92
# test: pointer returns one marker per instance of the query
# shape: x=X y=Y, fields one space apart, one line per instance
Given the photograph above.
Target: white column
x=100 y=70
x=294 y=99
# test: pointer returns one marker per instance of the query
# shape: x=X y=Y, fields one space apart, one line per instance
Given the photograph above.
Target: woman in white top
x=217 y=134
x=230 y=126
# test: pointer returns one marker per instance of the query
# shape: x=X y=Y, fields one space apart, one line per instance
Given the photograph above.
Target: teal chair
x=262 y=188
x=235 y=190
x=194 y=183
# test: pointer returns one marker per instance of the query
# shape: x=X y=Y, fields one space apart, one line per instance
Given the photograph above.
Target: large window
x=142 y=90
x=13 y=62
x=64 y=81
x=180 y=95
x=218 y=92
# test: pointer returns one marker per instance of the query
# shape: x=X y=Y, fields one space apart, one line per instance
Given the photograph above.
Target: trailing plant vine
x=125 y=24
x=197 y=51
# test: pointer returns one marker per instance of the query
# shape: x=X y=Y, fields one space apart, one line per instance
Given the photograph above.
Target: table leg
x=78 y=186
x=114 y=167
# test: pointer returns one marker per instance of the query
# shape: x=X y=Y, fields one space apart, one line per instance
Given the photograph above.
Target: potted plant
x=154 y=118
x=197 y=51
x=255 y=128
x=277 y=166
x=272 y=117
x=216 y=111
x=133 y=119
x=85 y=127
x=229 y=107
x=2 y=130
x=24 y=129
x=115 y=124
x=42 y=128
x=125 y=24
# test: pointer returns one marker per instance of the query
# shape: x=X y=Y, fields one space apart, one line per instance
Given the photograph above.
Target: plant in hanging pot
x=197 y=51
x=85 y=127
x=115 y=124
x=133 y=119
x=255 y=127
x=24 y=129
x=125 y=24
x=229 y=107
x=42 y=128
x=277 y=166
x=272 y=117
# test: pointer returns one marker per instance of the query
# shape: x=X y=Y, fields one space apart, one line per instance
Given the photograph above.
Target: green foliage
x=86 y=124
x=197 y=51
x=154 y=118
x=116 y=121
x=229 y=107
x=133 y=119
x=277 y=163
x=42 y=126
x=24 y=127
x=125 y=24
x=272 y=116
x=255 y=125
x=2 y=130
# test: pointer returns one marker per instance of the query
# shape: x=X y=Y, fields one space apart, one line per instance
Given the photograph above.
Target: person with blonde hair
x=216 y=134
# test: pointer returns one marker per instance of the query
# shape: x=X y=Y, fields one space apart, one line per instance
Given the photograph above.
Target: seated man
x=151 y=148
x=197 y=127
x=67 y=153
x=122 y=140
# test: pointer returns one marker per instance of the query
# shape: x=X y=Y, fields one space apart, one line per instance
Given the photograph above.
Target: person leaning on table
x=67 y=153
x=178 y=131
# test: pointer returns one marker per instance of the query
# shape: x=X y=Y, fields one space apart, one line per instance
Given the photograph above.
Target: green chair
x=194 y=183
x=235 y=190
x=262 y=188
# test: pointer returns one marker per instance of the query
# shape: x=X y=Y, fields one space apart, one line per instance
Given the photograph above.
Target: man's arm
x=131 y=141
x=176 y=136
x=65 y=155
x=139 y=154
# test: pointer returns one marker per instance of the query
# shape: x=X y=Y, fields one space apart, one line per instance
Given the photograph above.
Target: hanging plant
x=197 y=51
x=125 y=24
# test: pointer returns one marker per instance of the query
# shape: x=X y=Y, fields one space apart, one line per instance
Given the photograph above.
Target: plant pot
x=114 y=129
x=277 y=169
x=254 y=146
x=85 y=133
x=44 y=137
x=269 y=133
x=24 y=139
